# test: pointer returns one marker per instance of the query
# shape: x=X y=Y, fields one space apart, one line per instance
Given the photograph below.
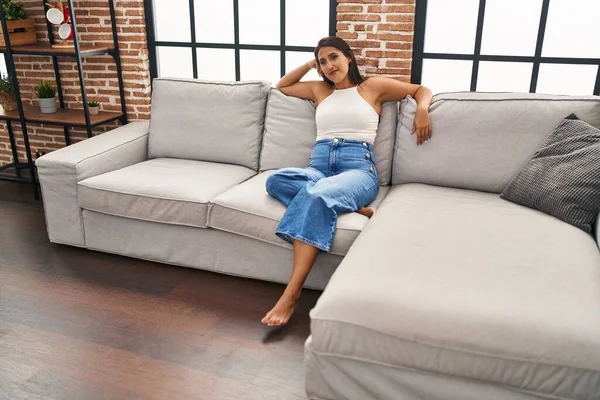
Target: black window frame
x=419 y=55
x=236 y=46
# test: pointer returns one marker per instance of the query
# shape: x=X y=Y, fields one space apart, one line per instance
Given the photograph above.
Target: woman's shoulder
x=322 y=85
x=387 y=88
x=375 y=82
x=322 y=89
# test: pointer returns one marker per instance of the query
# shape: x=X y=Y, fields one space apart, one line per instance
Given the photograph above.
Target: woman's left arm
x=389 y=89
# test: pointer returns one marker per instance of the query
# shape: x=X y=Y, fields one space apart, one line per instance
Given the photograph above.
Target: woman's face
x=333 y=64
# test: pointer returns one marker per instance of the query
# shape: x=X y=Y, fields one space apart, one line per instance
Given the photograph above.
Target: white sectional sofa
x=448 y=292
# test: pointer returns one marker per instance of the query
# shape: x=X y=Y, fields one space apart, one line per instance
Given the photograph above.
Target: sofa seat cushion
x=464 y=284
x=249 y=210
x=161 y=190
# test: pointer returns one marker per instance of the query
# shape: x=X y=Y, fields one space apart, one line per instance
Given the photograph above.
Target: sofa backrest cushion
x=481 y=141
x=207 y=121
x=291 y=131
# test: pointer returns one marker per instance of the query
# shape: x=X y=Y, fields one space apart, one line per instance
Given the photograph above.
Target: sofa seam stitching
x=140 y=219
x=270 y=218
x=458 y=350
x=112 y=148
x=406 y=367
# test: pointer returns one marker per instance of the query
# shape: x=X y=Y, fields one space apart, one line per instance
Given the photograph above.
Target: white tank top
x=346 y=114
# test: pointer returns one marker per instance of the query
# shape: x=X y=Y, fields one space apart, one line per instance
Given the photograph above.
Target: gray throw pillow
x=563 y=177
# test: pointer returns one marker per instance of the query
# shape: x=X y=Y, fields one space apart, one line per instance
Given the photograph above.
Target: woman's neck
x=345 y=84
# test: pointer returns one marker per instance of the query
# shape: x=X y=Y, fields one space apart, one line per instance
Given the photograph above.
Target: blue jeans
x=341 y=177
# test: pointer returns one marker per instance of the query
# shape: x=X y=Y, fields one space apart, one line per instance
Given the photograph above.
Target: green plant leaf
x=6 y=85
x=13 y=11
x=45 y=90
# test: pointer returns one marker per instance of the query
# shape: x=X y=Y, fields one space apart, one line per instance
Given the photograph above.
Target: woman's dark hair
x=340 y=44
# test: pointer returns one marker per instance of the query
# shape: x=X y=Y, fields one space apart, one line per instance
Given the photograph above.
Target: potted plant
x=7 y=93
x=46 y=92
x=94 y=107
x=21 y=29
x=13 y=11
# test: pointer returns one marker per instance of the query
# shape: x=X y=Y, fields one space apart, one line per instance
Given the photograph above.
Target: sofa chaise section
x=459 y=286
x=451 y=292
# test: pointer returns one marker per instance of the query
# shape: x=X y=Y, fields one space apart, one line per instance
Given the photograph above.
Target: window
x=536 y=46
x=3 y=69
x=235 y=39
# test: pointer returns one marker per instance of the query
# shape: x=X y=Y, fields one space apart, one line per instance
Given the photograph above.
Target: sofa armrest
x=60 y=171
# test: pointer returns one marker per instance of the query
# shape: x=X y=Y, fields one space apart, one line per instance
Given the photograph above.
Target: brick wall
x=93 y=24
x=381 y=34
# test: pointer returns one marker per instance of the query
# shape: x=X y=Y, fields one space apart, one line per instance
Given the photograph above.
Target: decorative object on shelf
x=94 y=107
x=21 y=30
x=46 y=92
x=60 y=16
x=8 y=101
x=65 y=117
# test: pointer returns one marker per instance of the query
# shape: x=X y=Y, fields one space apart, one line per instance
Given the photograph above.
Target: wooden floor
x=77 y=324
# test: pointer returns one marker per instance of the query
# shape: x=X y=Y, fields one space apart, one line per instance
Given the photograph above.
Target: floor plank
x=81 y=324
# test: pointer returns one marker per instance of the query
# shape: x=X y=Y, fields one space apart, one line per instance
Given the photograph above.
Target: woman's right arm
x=290 y=83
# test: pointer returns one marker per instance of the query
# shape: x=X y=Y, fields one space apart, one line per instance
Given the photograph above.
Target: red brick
x=389 y=71
x=367 y=61
x=348 y=8
x=388 y=54
x=395 y=27
x=364 y=44
x=401 y=18
x=358 y=17
x=389 y=36
x=347 y=35
x=389 y=9
x=398 y=64
x=399 y=45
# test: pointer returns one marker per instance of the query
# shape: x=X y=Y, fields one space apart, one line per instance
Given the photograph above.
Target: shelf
x=64 y=116
x=46 y=49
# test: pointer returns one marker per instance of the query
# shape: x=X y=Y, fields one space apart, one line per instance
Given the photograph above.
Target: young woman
x=342 y=176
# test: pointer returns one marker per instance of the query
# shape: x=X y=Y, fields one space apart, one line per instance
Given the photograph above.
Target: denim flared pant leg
x=342 y=177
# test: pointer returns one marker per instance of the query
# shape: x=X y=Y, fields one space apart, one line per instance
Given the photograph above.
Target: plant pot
x=48 y=106
x=94 y=110
x=8 y=101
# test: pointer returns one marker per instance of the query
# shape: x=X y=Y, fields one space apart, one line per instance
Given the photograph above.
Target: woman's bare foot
x=283 y=310
x=367 y=211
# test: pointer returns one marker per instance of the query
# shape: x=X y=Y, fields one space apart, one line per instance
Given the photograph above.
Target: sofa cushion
x=207 y=121
x=563 y=177
x=164 y=190
x=464 y=284
x=481 y=140
x=291 y=132
x=248 y=210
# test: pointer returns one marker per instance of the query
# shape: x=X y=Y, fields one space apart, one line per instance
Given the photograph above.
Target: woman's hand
x=422 y=126
x=312 y=63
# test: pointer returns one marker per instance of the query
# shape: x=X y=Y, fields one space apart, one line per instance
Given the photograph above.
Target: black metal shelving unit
x=64 y=117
